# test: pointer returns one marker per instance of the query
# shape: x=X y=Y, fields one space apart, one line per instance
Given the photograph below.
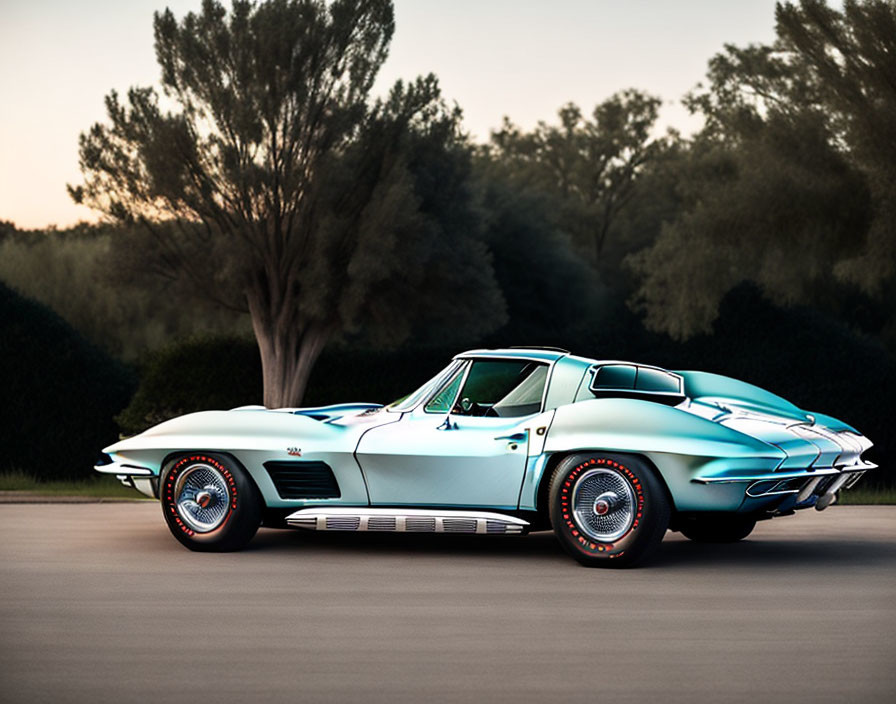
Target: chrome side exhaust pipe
x=830 y=495
x=808 y=489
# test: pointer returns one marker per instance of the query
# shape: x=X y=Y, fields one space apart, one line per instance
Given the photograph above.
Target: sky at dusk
x=519 y=58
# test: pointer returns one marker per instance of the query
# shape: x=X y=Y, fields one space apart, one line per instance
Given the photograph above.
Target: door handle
x=516 y=437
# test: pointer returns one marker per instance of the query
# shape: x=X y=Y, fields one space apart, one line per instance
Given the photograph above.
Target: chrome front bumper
x=143 y=479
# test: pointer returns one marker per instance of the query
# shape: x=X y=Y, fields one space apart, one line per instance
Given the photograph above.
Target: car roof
x=540 y=354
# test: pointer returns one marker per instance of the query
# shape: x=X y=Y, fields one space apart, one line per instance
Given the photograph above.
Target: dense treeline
x=60 y=392
x=763 y=246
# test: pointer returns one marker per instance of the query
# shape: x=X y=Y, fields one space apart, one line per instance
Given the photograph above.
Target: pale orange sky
x=520 y=58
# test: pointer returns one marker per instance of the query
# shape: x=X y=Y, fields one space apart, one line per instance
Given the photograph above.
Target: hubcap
x=603 y=504
x=201 y=497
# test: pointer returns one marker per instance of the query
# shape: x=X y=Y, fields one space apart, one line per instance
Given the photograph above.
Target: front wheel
x=210 y=503
x=608 y=510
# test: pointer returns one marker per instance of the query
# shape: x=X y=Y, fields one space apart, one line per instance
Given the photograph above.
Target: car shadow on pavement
x=673 y=553
x=535 y=544
x=820 y=552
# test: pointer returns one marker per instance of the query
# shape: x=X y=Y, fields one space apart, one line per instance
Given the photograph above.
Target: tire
x=608 y=510
x=717 y=528
x=210 y=503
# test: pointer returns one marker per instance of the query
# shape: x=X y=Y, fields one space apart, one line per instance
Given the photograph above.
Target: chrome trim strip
x=853 y=480
x=436 y=390
x=118 y=467
x=807 y=473
x=479 y=521
x=780 y=492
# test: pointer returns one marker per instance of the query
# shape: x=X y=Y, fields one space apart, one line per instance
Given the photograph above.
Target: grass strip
x=99 y=486
x=860 y=496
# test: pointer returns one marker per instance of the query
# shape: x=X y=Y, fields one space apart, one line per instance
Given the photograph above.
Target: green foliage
x=779 y=210
x=203 y=373
x=790 y=185
x=852 y=58
x=222 y=372
x=276 y=186
x=586 y=167
x=861 y=496
x=548 y=288
x=60 y=393
x=97 y=486
x=94 y=277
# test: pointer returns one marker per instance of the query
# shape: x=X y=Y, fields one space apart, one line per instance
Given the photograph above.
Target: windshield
x=411 y=400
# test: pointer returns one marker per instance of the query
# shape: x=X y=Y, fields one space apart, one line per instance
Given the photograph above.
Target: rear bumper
x=861 y=466
x=795 y=489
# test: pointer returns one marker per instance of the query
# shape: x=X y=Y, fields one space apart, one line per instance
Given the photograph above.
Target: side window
x=502 y=388
x=615 y=376
x=444 y=398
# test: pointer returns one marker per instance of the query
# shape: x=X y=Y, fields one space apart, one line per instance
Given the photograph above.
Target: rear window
x=614 y=379
x=615 y=376
x=657 y=381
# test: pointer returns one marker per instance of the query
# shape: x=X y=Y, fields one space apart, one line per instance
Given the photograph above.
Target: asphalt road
x=100 y=604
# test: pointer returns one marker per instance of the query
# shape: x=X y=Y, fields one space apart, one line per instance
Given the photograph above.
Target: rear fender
x=679 y=444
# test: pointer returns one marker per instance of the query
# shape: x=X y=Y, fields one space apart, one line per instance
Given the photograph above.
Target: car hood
x=252 y=427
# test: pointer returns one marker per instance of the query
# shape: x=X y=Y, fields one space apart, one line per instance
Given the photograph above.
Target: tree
x=550 y=290
x=852 y=57
x=589 y=165
x=790 y=184
x=778 y=210
x=275 y=185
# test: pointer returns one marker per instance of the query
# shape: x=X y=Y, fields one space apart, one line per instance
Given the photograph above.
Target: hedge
x=60 y=393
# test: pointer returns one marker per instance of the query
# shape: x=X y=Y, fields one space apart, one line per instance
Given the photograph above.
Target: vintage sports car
x=609 y=454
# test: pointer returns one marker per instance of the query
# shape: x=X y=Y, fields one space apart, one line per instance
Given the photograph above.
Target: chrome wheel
x=201 y=497
x=603 y=505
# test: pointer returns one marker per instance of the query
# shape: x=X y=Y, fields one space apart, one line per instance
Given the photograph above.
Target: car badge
x=294 y=451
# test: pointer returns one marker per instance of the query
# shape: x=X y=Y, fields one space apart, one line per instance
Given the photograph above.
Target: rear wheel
x=717 y=529
x=608 y=510
x=210 y=503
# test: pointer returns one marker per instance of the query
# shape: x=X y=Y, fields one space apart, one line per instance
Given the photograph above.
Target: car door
x=467 y=445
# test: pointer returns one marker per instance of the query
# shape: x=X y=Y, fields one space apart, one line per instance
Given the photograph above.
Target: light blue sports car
x=609 y=454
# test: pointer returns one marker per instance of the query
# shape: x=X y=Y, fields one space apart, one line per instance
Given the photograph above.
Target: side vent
x=381 y=523
x=420 y=525
x=459 y=525
x=343 y=523
x=303 y=480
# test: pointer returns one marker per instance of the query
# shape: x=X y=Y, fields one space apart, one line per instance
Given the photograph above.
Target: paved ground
x=99 y=603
